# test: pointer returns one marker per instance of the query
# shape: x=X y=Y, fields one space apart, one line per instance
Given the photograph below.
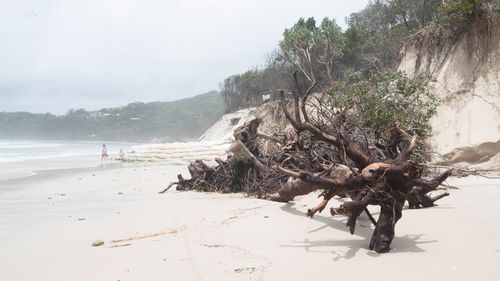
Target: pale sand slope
x=226 y=237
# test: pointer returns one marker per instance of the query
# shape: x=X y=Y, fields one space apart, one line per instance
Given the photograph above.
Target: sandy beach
x=49 y=222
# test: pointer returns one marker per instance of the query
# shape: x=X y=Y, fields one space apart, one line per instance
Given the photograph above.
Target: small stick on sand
x=138 y=237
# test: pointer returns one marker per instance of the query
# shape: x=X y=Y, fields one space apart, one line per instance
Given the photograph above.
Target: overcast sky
x=62 y=54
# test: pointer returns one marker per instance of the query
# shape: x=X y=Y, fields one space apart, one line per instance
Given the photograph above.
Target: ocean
x=22 y=158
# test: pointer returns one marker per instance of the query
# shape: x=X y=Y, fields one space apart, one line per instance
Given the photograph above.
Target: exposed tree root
x=314 y=158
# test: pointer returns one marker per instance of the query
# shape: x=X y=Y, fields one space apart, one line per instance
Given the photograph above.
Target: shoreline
x=25 y=158
x=55 y=173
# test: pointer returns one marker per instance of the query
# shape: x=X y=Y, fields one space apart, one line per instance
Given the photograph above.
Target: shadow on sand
x=364 y=229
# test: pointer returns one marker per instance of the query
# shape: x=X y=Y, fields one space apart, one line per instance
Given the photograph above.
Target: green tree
x=372 y=107
x=297 y=46
x=455 y=15
x=328 y=43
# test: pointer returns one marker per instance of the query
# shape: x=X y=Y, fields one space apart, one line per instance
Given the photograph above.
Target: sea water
x=21 y=158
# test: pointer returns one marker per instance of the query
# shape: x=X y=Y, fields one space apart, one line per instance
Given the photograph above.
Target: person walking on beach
x=121 y=155
x=104 y=153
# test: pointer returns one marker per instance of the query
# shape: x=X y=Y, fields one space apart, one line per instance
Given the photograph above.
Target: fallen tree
x=341 y=149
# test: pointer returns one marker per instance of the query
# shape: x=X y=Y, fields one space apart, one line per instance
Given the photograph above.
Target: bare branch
x=296 y=98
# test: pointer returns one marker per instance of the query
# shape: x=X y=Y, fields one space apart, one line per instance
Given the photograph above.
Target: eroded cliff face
x=466 y=71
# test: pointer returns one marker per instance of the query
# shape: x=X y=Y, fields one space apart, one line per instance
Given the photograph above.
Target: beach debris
x=97 y=243
x=323 y=151
x=120 y=245
x=229 y=219
x=212 y=245
x=245 y=270
x=81 y=219
x=149 y=235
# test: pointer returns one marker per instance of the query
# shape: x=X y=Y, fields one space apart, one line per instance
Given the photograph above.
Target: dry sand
x=48 y=225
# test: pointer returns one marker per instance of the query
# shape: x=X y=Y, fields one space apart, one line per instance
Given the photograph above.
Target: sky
x=61 y=54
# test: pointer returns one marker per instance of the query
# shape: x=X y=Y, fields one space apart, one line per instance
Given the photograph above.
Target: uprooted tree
x=359 y=140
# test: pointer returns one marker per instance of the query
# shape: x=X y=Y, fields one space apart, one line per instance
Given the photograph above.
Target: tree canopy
x=324 y=53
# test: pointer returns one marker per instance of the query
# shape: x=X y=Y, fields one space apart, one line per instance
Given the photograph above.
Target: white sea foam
x=13 y=145
x=24 y=158
x=5 y=158
x=19 y=151
x=178 y=153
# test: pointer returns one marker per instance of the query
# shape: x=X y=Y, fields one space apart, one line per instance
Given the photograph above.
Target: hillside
x=180 y=120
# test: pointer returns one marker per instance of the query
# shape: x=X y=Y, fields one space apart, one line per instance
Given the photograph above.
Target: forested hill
x=180 y=120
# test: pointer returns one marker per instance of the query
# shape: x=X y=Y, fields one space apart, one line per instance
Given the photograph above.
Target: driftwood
x=419 y=195
x=238 y=149
x=312 y=158
x=180 y=183
x=382 y=182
